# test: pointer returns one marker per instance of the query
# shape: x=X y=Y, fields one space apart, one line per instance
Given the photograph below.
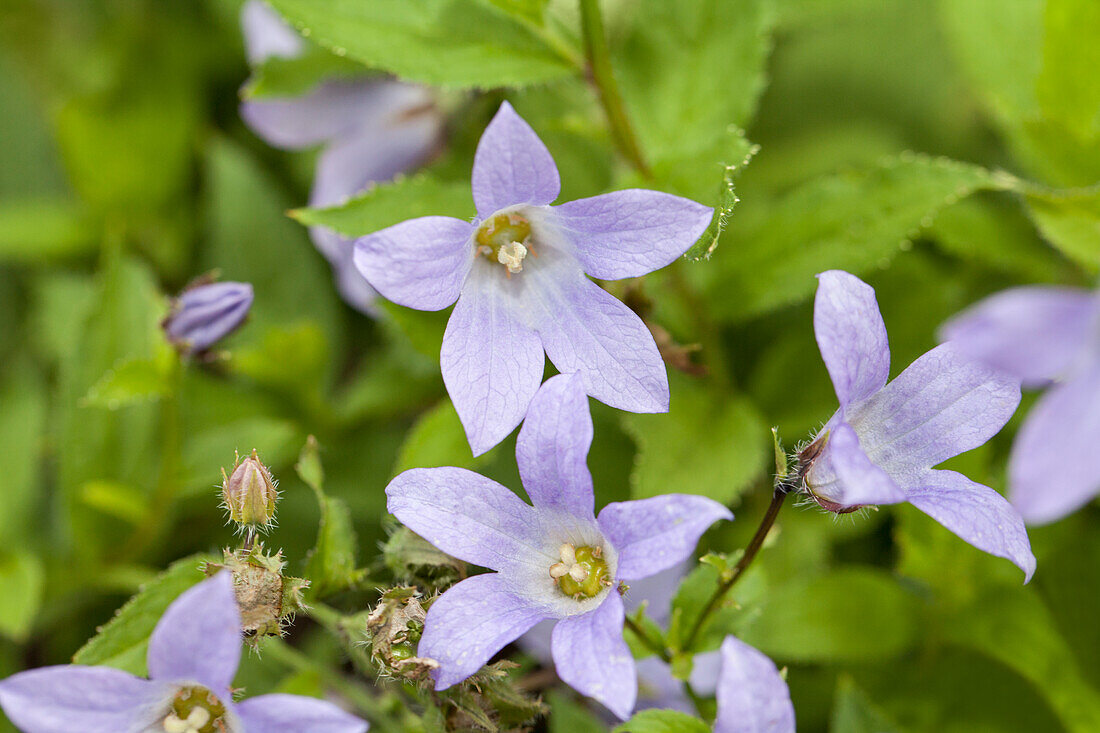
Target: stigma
x=582 y=572
x=505 y=240
x=195 y=710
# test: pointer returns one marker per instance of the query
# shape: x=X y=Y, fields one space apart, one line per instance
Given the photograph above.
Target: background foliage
x=941 y=150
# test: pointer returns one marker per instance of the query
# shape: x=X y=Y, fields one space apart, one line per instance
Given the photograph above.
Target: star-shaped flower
x=1044 y=337
x=553 y=560
x=371 y=129
x=518 y=273
x=881 y=445
x=752 y=695
x=193 y=656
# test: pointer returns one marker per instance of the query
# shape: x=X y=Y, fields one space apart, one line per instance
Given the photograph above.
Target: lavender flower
x=752 y=696
x=204 y=314
x=881 y=445
x=193 y=656
x=552 y=560
x=1045 y=337
x=371 y=130
x=518 y=274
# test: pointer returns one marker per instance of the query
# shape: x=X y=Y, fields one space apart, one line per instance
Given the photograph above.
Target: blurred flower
x=204 y=314
x=554 y=560
x=881 y=445
x=1045 y=337
x=371 y=129
x=752 y=696
x=193 y=656
x=518 y=274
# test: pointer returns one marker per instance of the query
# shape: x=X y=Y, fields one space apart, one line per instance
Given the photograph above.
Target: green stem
x=655 y=647
x=603 y=76
x=757 y=541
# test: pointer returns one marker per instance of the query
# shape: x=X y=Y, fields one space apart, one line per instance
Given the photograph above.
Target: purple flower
x=204 y=314
x=518 y=274
x=752 y=696
x=881 y=445
x=371 y=130
x=1044 y=337
x=553 y=560
x=193 y=656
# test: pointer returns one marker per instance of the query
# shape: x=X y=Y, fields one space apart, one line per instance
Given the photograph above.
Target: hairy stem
x=654 y=646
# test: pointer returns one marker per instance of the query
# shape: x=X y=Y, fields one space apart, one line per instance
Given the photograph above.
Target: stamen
x=559 y=569
x=511 y=256
x=578 y=573
x=582 y=573
x=567 y=554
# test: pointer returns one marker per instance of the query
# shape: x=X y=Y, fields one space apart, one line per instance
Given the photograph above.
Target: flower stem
x=757 y=541
x=603 y=76
x=656 y=647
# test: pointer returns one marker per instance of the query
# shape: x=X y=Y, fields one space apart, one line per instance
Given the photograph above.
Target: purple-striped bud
x=204 y=314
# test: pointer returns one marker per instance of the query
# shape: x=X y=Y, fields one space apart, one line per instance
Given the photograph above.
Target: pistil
x=582 y=572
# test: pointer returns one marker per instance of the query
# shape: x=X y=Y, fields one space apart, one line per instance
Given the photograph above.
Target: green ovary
x=595 y=582
x=195 y=710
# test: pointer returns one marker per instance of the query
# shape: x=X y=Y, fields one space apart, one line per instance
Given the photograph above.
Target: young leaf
x=854 y=713
x=662 y=721
x=437 y=439
x=331 y=563
x=22 y=429
x=133 y=380
x=23 y=579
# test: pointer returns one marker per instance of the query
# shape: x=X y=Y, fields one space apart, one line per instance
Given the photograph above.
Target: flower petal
x=281 y=713
x=266 y=34
x=468 y=516
x=843 y=474
x=977 y=514
x=1035 y=334
x=752 y=696
x=1053 y=470
x=331 y=110
x=512 y=166
x=70 y=698
x=630 y=233
x=552 y=448
x=420 y=263
x=655 y=534
x=199 y=637
x=584 y=329
x=592 y=657
x=658 y=688
x=471 y=622
x=851 y=336
x=942 y=405
x=492 y=362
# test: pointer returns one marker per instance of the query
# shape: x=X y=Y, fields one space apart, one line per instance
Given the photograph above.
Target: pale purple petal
x=704 y=672
x=280 y=713
x=1053 y=468
x=266 y=34
x=420 y=263
x=199 y=637
x=658 y=688
x=843 y=474
x=592 y=657
x=977 y=514
x=630 y=233
x=851 y=336
x=512 y=166
x=654 y=534
x=332 y=110
x=203 y=315
x=69 y=698
x=752 y=696
x=584 y=329
x=942 y=405
x=470 y=623
x=1035 y=334
x=468 y=516
x=552 y=448
x=492 y=362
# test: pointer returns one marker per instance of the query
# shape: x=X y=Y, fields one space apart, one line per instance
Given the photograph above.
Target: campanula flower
x=1046 y=337
x=370 y=129
x=881 y=445
x=192 y=659
x=752 y=695
x=554 y=560
x=518 y=274
x=204 y=314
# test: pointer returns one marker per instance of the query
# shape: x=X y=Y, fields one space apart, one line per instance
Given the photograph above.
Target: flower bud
x=249 y=493
x=204 y=314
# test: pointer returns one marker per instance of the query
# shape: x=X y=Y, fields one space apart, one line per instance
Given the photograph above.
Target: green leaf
x=1070 y=222
x=437 y=439
x=41 y=230
x=663 y=721
x=117 y=500
x=526 y=9
x=849 y=615
x=1068 y=87
x=853 y=712
x=569 y=716
x=22 y=580
x=123 y=640
x=22 y=432
x=704 y=445
x=133 y=380
x=457 y=43
x=292 y=355
x=331 y=564
x=280 y=78
x=386 y=204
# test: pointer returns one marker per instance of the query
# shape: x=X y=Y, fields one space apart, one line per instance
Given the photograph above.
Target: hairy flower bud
x=205 y=313
x=249 y=493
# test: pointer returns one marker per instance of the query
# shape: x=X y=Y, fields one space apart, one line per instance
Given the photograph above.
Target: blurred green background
x=941 y=150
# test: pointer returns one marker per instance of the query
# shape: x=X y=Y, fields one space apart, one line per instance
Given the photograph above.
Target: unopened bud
x=204 y=314
x=249 y=493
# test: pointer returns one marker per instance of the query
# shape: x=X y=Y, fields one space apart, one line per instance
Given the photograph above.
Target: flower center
x=195 y=710
x=504 y=239
x=582 y=572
